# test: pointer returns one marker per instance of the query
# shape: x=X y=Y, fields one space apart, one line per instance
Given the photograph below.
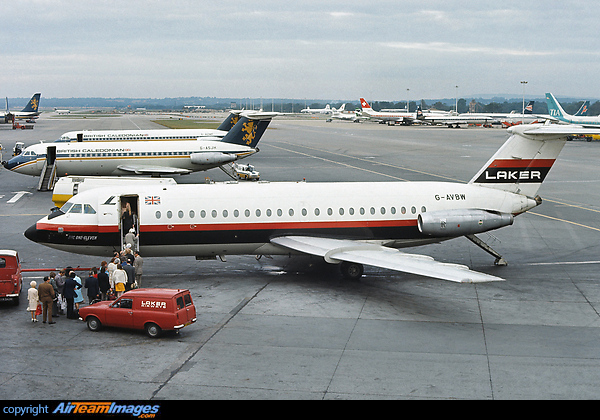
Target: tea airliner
x=347 y=223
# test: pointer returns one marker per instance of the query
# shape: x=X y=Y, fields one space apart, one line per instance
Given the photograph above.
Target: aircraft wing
x=338 y=250
x=151 y=169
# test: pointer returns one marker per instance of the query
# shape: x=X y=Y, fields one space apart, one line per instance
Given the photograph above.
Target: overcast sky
x=325 y=49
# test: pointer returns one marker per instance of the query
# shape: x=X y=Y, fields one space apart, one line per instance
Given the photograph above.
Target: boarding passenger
x=137 y=264
x=69 y=293
x=92 y=286
x=128 y=268
x=46 y=296
x=33 y=299
x=119 y=280
x=103 y=283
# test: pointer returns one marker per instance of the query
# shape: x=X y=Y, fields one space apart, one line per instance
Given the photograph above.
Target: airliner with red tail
x=347 y=223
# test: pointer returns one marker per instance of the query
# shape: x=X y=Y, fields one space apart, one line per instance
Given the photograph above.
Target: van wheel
x=93 y=323
x=153 y=330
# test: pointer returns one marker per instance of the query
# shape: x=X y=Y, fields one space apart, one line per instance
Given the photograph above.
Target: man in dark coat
x=93 y=287
x=46 y=296
x=130 y=274
x=69 y=294
x=103 y=282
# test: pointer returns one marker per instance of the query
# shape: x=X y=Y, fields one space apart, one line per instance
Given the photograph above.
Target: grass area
x=185 y=123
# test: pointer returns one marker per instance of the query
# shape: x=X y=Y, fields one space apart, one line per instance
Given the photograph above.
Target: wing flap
x=336 y=250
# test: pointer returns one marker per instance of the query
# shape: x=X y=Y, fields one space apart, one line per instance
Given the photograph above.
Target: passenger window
x=88 y=209
x=157 y=214
x=180 y=214
x=180 y=304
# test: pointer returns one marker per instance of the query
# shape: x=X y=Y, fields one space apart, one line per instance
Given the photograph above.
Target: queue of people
x=62 y=293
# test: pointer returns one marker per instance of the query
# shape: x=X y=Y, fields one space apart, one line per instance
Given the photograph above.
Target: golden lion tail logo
x=250 y=129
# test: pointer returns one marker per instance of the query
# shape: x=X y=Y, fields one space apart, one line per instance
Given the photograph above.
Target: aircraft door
x=130 y=220
x=51 y=155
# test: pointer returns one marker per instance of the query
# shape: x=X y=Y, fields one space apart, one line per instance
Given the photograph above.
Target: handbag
x=38 y=310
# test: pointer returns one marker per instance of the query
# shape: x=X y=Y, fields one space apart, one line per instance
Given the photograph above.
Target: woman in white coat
x=33 y=299
x=119 y=280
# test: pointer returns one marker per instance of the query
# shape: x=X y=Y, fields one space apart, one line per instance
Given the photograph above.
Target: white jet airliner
x=155 y=158
x=387 y=116
x=156 y=134
x=346 y=223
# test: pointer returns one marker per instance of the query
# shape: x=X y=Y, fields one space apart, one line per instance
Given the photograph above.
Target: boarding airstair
x=48 y=174
x=47 y=177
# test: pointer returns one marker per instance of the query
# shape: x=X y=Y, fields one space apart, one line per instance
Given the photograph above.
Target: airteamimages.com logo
x=142 y=411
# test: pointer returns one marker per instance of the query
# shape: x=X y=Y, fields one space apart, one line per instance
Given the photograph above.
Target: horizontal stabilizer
x=338 y=250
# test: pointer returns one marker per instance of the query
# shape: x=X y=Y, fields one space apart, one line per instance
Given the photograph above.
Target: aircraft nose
x=33 y=234
x=10 y=164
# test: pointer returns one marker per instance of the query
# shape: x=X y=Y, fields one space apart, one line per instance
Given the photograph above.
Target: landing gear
x=351 y=271
x=499 y=259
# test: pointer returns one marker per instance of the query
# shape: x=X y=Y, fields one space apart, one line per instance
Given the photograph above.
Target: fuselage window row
x=279 y=212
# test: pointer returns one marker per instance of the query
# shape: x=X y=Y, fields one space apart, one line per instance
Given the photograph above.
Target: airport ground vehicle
x=245 y=172
x=152 y=310
x=10 y=275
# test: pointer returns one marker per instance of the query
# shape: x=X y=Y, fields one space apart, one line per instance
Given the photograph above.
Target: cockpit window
x=65 y=208
x=88 y=209
x=75 y=209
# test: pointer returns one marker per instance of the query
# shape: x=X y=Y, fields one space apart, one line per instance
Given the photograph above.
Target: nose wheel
x=351 y=271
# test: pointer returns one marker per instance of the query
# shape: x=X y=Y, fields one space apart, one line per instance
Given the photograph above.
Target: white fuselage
x=229 y=218
x=111 y=158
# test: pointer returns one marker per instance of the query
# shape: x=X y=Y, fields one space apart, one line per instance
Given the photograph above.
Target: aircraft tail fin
x=529 y=107
x=249 y=128
x=33 y=104
x=364 y=104
x=554 y=108
x=583 y=111
x=230 y=121
x=524 y=160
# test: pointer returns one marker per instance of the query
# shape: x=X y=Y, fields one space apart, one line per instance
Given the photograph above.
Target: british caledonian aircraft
x=346 y=223
x=143 y=157
x=156 y=134
x=30 y=112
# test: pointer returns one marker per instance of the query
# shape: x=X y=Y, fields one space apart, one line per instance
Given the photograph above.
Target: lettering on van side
x=153 y=304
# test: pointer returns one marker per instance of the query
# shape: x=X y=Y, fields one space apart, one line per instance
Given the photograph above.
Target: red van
x=153 y=310
x=10 y=275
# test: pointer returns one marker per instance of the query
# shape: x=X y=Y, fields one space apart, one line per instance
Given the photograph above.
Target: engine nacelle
x=212 y=158
x=461 y=222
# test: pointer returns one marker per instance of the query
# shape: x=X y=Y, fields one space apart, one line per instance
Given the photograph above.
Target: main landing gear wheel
x=351 y=271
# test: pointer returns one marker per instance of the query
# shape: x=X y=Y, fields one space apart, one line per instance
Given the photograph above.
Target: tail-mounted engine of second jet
x=212 y=158
x=461 y=222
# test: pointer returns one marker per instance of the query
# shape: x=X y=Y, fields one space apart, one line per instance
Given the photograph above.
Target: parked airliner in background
x=346 y=223
x=142 y=157
x=30 y=112
x=340 y=114
x=157 y=134
x=558 y=113
x=387 y=117
x=326 y=110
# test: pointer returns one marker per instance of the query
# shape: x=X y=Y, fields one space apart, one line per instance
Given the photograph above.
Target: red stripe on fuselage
x=190 y=226
x=522 y=163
